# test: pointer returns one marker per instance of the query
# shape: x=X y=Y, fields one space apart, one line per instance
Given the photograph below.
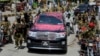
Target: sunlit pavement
x=9 y=50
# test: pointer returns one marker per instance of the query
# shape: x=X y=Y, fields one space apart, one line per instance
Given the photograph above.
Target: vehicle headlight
x=60 y=35
x=31 y=34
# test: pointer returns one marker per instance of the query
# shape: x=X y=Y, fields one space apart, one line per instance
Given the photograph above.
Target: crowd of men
x=20 y=26
x=84 y=25
x=88 y=33
x=18 y=29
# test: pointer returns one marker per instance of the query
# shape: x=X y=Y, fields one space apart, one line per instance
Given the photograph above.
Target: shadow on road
x=47 y=52
x=22 y=47
x=1 y=49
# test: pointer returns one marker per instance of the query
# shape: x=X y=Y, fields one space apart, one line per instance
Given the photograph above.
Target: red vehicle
x=48 y=33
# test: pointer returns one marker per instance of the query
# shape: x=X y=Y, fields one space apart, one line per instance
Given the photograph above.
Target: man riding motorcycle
x=6 y=29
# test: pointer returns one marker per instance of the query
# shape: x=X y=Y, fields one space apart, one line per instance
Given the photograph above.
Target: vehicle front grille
x=46 y=35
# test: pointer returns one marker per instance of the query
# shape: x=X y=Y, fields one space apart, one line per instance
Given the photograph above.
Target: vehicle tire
x=1 y=44
x=29 y=49
x=4 y=40
x=64 y=51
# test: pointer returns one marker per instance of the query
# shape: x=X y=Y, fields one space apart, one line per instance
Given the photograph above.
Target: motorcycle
x=1 y=35
x=4 y=36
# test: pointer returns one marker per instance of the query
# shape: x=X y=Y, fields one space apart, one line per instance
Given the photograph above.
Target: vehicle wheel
x=1 y=44
x=4 y=41
x=29 y=49
x=64 y=51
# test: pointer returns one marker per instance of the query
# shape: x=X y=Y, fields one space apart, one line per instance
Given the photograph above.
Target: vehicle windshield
x=49 y=20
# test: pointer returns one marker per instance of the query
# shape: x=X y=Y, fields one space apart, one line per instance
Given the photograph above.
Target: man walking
x=0 y=15
x=98 y=12
x=17 y=26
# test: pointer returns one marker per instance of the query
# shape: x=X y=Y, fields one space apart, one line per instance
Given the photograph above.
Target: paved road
x=9 y=50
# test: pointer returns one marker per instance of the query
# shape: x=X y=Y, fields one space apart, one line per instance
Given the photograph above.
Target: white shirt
x=67 y=20
x=78 y=2
x=30 y=2
x=39 y=1
x=70 y=20
x=0 y=15
x=13 y=6
x=99 y=8
x=65 y=14
x=30 y=8
x=76 y=27
x=50 y=5
x=26 y=8
x=1 y=28
x=99 y=45
x=64 y=3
